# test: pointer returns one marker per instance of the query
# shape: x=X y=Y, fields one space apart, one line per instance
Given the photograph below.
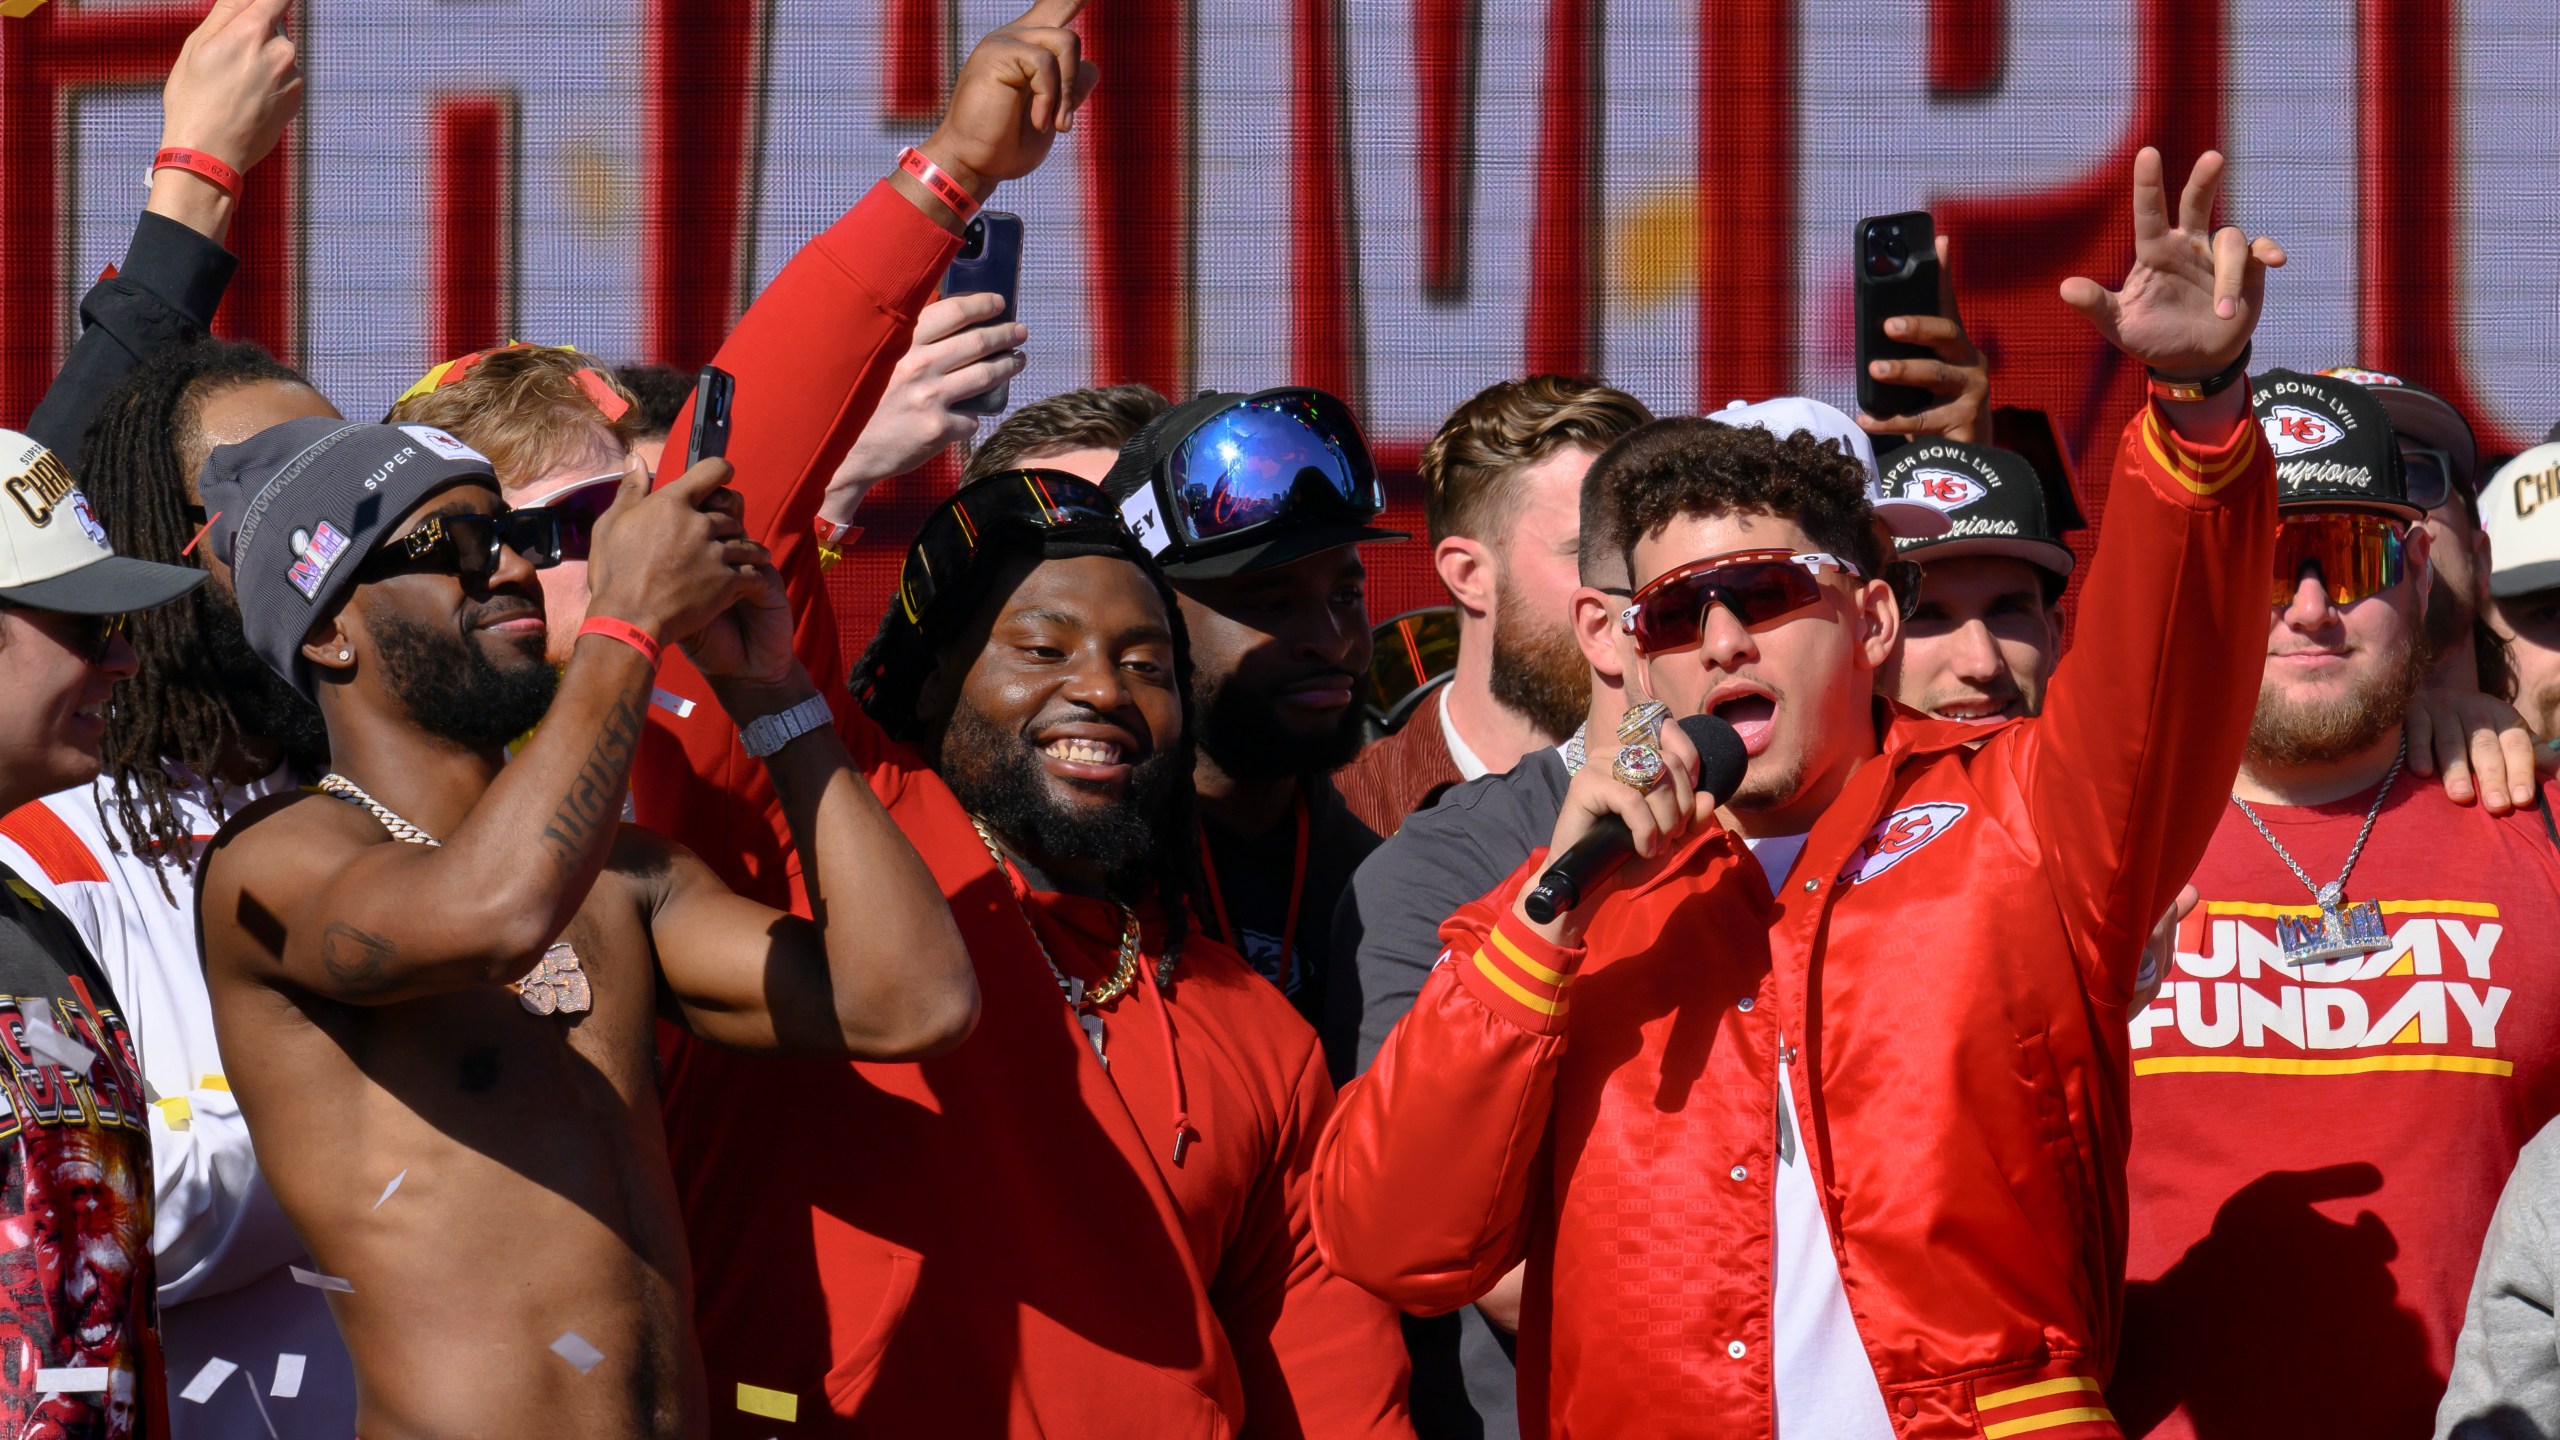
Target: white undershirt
x=1826 y=1386
x=1460 y=753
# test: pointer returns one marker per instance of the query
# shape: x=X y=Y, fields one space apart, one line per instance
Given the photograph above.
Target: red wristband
x=932 y=177
x=626 y=632
x=195 y=162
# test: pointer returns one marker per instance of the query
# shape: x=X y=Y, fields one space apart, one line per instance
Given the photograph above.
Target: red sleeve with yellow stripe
x=2126 y=770
x=1423 y=1176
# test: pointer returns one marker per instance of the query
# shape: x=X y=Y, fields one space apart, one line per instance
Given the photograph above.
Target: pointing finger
x=1051 y=12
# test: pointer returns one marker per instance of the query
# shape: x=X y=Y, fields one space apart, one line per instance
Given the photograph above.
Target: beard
x=1244 y=734
x=997 y=776
x=262 y=703
x=1538 y=670
x=452 y=689
x=2287 y=732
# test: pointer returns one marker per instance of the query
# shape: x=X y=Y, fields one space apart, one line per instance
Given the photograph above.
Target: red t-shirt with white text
x=2317 y=1149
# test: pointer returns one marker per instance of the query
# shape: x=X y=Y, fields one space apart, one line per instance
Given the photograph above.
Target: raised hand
x=2188 y=304
x=1959 y=377
x=236 y=84
x=672 y=560
x=957 y=353
x=1016 y=95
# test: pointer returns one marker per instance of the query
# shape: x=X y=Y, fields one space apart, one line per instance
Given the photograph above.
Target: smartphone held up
x=989 y=263
x=1897 y=267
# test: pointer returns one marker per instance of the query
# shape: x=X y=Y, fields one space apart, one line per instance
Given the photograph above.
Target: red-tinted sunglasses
x=1757 y=586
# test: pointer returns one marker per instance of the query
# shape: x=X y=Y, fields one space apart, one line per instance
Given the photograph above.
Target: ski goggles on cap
x=1009 y=499
x=469 y=545
x=1755 y=586
x=1268 y=458
x=2353 y=555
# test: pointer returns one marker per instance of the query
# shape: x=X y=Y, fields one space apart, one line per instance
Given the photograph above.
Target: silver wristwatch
x=767 y=733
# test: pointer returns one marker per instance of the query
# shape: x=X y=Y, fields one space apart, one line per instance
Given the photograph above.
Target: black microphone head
x=1721 y=758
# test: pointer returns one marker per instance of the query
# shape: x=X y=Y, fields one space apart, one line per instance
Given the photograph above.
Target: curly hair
x=1098 y=417
x=526 y=408
x=661 y=391
x=1688 y=466
x=1505 y=429
x=889 y=680
x=177 y=709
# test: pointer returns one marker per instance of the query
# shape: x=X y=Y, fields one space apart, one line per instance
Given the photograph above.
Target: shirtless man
x=478 y=1163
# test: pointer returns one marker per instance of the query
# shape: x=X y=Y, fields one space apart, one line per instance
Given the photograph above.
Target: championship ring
x=1639 y=767
x=1642 y=724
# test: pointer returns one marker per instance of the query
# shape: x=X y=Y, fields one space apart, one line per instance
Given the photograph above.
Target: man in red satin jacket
x=1813 y=1121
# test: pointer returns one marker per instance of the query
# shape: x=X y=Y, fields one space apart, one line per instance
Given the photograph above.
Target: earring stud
x=346 y=654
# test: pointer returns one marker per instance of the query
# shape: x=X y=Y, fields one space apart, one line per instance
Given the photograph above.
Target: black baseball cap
x=298 y=506
x=1994 y=501
x=2333 y=445
x=2423 y=419
x=1230 y=484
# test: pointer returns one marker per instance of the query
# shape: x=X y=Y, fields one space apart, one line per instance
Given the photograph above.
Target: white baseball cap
x=2520 y=508
x=1784 y=416
x=54 y=554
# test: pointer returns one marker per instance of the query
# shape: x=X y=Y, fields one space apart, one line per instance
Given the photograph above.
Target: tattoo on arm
x=355 y=958
x=595 y=796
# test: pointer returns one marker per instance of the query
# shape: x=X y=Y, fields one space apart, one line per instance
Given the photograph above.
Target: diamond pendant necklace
x=1080 y=1001
x=557 y=985
x=2342 y=931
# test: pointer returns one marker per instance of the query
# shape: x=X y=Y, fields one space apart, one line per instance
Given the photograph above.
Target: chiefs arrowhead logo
x=1943 y=489
x=1897 y=837
x=2292 y=430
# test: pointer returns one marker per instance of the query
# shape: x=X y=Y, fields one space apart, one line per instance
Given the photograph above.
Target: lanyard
x=1297 y=888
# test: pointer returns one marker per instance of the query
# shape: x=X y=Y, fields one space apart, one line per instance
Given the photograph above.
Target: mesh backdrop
x=1400 y=200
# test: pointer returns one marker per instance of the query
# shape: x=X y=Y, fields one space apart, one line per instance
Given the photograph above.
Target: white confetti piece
x=263 y=1418
x=387 y=1189
x=573 y=1347
x=288 y=1384
x=50 y=1044
x=318 y=1281
x=208 y=1380
x=77 y=1380
x=675 y=705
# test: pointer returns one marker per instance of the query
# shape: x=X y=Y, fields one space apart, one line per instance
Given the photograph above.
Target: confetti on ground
x=288 y=1384
x=318 y=1281
x=208 y=1380
x=771 y=1404
x=387 y=1189
x=50 y=1044
x=78 y=1380
x=573 y=1347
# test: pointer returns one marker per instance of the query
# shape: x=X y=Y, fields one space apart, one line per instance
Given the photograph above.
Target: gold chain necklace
x=1078 y=997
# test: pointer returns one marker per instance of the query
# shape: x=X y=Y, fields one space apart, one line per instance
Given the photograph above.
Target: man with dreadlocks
x=202 y=730
x=1091 y=1219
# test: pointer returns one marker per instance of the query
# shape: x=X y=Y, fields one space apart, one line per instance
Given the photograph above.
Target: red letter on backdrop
x=57 y=50
x=475 y=220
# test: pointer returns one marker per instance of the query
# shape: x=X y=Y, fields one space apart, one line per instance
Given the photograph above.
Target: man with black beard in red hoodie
x=1091 y=1219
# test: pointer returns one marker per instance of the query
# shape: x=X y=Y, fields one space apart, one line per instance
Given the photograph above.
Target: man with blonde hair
x=1502 y=482
x=560 y=431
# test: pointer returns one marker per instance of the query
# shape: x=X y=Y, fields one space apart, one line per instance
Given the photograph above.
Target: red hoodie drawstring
x=1173 y=1066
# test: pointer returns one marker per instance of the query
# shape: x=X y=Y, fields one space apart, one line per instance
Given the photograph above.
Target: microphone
x=1594 y=857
